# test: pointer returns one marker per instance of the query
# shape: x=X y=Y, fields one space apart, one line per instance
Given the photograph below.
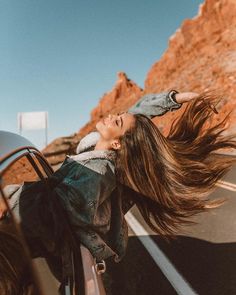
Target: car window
x=19 y=172
x=13 y=179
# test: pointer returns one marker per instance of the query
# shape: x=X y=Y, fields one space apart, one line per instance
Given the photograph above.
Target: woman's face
x=114 y=126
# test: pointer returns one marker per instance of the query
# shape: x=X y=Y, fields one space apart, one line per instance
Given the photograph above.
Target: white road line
x=227 y=185
x=175 y=278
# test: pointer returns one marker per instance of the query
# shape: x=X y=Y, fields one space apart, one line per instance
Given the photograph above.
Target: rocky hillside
x=201 y=56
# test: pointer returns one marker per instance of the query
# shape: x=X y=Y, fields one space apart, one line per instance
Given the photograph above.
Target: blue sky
x=61 y=56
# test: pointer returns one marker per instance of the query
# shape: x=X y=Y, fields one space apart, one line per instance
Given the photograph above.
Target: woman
x=129 y=161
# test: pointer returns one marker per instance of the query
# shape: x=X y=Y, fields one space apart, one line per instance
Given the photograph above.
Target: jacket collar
x=85 y=149
x=88 y=142
x=95 y=154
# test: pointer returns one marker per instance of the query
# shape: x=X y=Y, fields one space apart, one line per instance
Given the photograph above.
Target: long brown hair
x=174 y=174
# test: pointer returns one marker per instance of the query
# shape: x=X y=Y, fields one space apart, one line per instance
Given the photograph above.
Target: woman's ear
x=115 y=144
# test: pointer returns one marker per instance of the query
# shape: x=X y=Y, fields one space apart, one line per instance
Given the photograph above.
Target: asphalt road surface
x=202 y=259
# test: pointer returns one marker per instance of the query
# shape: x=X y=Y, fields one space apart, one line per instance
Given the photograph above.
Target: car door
x=22 y=167
x=29 y=165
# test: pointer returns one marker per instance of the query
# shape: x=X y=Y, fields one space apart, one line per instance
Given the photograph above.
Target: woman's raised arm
x=185 y=96
x=158 y=104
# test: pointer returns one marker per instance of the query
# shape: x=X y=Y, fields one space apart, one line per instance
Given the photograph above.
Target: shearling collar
x=95 y=154
x=88 y=142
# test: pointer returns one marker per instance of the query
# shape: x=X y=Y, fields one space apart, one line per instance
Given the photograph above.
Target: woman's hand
x=185 y=96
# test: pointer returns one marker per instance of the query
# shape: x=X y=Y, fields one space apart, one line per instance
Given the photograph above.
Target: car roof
x=11 y=141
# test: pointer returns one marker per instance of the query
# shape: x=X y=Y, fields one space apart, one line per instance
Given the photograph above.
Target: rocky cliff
x=201 y=56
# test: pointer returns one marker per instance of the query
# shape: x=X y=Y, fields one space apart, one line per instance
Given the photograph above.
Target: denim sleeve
x=152 y=105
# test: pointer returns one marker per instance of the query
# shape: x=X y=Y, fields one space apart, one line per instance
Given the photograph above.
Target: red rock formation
x=201 y=56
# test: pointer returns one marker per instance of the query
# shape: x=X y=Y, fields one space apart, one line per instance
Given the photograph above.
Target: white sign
x=32 y=120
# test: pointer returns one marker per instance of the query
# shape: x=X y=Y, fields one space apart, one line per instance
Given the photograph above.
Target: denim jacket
x=152 y=105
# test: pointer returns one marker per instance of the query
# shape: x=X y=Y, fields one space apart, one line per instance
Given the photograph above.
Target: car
x=21 y=162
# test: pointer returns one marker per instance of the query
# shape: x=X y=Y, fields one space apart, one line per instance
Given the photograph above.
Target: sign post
x=33 y=120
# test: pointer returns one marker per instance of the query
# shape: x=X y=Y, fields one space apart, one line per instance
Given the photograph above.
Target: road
x=202 y=259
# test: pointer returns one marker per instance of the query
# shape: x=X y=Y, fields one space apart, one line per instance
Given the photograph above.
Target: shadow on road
x=208 y=267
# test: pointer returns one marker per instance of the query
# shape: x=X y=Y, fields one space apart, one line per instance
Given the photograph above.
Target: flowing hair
x=171 y=176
